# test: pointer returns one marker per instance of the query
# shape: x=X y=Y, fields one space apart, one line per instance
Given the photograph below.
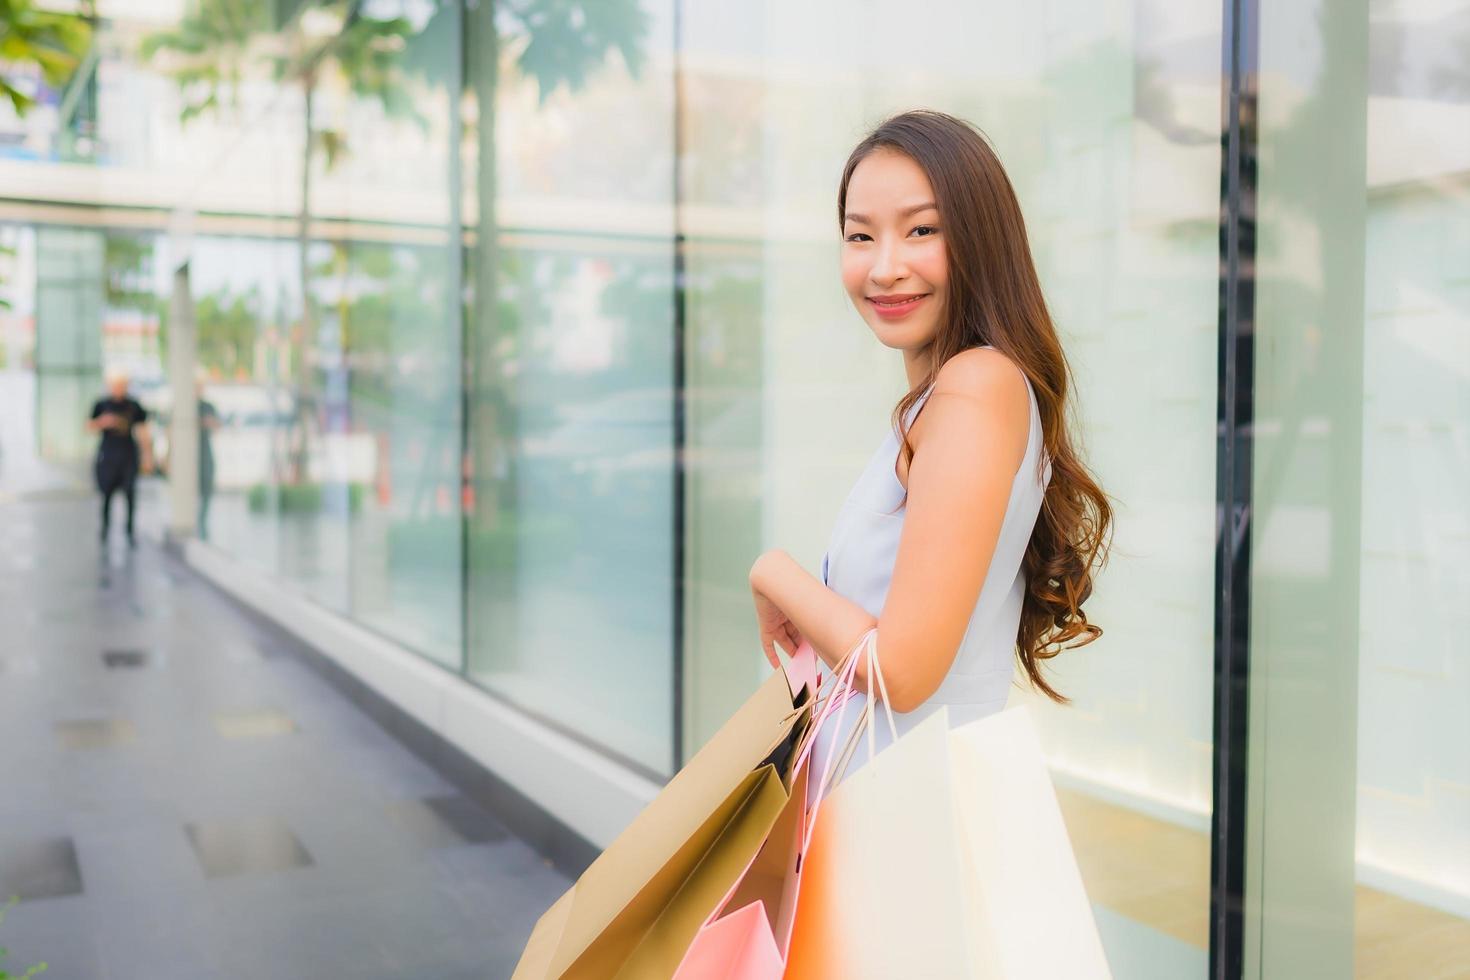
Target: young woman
x=972 y=535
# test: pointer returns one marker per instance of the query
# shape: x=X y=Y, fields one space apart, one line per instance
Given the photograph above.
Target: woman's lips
x=895 y=307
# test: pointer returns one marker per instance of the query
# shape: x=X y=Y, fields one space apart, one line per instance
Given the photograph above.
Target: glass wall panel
x=338 y=457
x=390 y=293
x=1107 y=118
x=232 y=281
x=69 y=307
x=1360 y=670
x=570 y=590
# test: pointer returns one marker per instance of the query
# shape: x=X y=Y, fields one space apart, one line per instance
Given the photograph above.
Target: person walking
x=126 y=449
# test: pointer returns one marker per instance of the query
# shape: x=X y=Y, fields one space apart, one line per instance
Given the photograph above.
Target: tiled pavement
x=181 y=796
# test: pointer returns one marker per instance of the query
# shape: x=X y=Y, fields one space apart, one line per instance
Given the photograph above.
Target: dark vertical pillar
x=679 y=385
x=1233 y=486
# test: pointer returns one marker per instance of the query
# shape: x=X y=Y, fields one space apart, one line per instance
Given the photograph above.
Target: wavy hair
x=995 y=298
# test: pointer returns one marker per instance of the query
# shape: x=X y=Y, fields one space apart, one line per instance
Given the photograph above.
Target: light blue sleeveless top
x=859 y=566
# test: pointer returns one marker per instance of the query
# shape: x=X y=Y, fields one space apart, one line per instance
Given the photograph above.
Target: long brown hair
x=995 y=298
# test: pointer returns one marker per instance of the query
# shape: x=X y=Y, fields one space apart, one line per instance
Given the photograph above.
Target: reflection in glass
x=570 y=538
x=1413 y=771
x=1360 y=671
x=325 y=297
x=69 y=303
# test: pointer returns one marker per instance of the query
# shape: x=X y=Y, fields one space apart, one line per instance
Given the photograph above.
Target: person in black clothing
x=123 y=423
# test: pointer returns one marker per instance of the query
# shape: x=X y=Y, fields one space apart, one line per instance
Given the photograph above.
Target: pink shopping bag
x=748 y=936
x=738 y=947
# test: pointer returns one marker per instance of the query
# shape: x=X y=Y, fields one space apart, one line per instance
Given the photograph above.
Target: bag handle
x=876 y=684
x=842 y=692
x=875 y=672
x=842 y=677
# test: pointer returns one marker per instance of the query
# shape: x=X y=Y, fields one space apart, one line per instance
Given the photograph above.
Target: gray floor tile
x=39 y=868
x=442 y=821
x=246 y=847
x=96 y=733
x=265 y=723
x=124 y=659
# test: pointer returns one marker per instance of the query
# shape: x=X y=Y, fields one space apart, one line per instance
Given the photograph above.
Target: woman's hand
x=776 y=628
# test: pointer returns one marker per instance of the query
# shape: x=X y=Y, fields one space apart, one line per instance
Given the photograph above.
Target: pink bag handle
x=842 y=678
x=846 y=673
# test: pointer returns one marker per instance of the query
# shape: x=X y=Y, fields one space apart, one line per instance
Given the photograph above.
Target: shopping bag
x=771 y=878
x=711 y=811
x=1028 y=905
x=944 y=857
x=768 y=886
x=739 y=946
x=764 y=900
x=738 y=830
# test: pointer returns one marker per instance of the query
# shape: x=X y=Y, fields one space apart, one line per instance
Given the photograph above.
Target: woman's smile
x=896 y=306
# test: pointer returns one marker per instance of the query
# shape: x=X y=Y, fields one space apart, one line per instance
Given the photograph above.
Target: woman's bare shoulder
x=978 y=393
x=983 y=373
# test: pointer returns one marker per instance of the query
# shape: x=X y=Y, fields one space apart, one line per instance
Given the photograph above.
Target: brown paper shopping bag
x=709 y=878
x=720 y=804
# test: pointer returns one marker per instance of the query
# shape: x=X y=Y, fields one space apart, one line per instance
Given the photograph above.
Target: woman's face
x=894 y=264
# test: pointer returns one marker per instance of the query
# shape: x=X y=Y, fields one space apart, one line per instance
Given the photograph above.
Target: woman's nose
x=887 y=266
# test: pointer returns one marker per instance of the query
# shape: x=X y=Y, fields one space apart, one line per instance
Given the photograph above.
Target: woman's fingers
x=770 y=647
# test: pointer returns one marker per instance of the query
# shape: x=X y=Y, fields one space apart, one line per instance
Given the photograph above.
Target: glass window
x=1360 y=671
x=338 y=456
x=68 y=351
x=571 y=534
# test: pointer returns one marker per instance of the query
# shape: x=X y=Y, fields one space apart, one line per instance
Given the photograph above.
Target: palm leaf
x=567 y=39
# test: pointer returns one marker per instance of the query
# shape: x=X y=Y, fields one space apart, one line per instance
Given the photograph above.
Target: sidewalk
x=185 y=798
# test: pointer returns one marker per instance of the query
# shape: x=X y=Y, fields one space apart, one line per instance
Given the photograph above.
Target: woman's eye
x=856 y=236
x=925 y=230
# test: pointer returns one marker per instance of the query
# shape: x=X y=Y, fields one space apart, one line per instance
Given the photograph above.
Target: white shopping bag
x=945 y=857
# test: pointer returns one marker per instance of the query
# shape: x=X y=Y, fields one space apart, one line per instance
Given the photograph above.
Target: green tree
x=127 y=262
x=209 y=53
x=31 y=38
x=225 y=327
x=220 y=42
x=558 y=44
x=34 y=38
x=7 y=255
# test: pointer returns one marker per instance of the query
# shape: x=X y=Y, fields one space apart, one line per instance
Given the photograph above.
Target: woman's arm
x=968 y=443
x=792 y=604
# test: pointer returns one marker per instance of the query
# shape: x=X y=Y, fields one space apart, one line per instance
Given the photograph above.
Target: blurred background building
x=524 y=327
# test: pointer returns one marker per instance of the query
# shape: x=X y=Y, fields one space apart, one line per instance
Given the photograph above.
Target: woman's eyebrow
x=865 y=220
